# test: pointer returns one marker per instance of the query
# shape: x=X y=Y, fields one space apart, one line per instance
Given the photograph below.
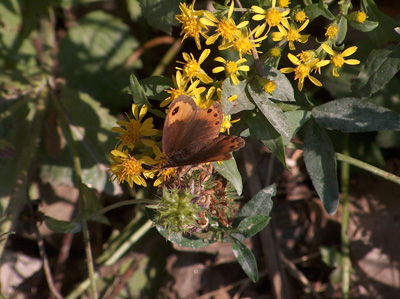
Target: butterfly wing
x=187 y=127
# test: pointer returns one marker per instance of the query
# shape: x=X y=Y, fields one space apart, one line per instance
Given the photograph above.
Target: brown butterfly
x=190 y=134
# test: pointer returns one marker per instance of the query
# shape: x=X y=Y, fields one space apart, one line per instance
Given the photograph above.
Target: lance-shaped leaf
x=241 y=103
x=228 y=169
x=319 y=157
x=246 y=259
x=355 y=115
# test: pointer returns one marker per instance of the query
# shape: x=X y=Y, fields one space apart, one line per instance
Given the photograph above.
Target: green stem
x=360 y=164
x=124 y=203
x=345 y=179
x=78 y=176
x=168 y=57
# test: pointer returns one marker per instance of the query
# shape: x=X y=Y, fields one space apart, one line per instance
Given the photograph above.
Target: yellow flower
x=290 y=33
x=283 y=3
x=125 y=167
x=272 y=17
x=206 y=102
x=332 y=31
x=131 y=131
x=226 y=27
x=337 y=59
x=275 y=52
x=306 y=56
x=300 y=16
x=191 y=23
x=358 y=16
x=244 y=44
x=231 y=68
x=269 y=86
x=164 y=175
x=181 y=88
x=191 y=67
x=302 y=70
x=227 y=123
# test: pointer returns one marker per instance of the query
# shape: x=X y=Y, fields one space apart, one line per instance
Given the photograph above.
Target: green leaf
x=246 y=259
x=354 y=115
x=379 y=69
x=185 y=241
x=284 y=89
x=325 y=11
x=134 y=9
x=228 y=169
x=261 y=128
x=137 y=92
x=342 y=31
x=93 y=54
x=271 y=111
x=296 y=120
x=241 y=103
x=260 y=204
x=252 y=225
x=91 y=128
x=319 y=157
x=367 y=26
x=161 y=13
x=155 y=87
x=384 y=33
x=61 y=226
x=313 y=11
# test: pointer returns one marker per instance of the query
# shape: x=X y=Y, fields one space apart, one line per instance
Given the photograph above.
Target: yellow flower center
x=227 y=29
x=332 y=31
x=269 y=87
x=131 y=167
x=192 y=26
x=275 y=52
x=231 y=67
x=360 y=17
x=131 y=135
x=301 y=72
x=243 y=45
x=300 y=16
x=305 y=56
x=191 y=68
x=273 y=17
x=338 y=60
x=283 y=3
x=292 y=35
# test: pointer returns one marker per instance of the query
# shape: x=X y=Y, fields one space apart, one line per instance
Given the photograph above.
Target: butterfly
x=191 y=134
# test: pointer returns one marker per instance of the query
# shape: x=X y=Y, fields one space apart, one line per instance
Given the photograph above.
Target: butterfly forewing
x=187 y=125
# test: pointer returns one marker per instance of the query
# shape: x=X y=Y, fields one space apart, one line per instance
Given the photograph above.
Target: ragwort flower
x=337 y=58
x=302 y=70
x=272 y=17
x=133 y=130
x=231 y=68
x=191 y=23
x=290 y=33
x=191 y=67
x=245 y=43
x=331 y=31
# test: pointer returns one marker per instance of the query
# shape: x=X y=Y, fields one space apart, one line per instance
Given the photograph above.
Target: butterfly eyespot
x=175 y=111
x=215 y=114
x=233 y=141
x=232 y=146
x=217 y=123
x=209 y=110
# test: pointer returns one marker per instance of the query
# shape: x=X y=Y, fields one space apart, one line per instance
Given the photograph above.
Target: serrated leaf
x=271 y=111
x=93 y=54
x=241 y=103
x=61 y=226
x=284 y=90
x=379 y=69
x=161 y=13
x=296 y=120
x=260 y=204
x=228 y=169
x=137 y=92
x=354 y=115
x=261 y=128
x=246 y=259
x=320 y=161
x=155 y=87
x=384 y=33
x=252 y=225
x=91 y=128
